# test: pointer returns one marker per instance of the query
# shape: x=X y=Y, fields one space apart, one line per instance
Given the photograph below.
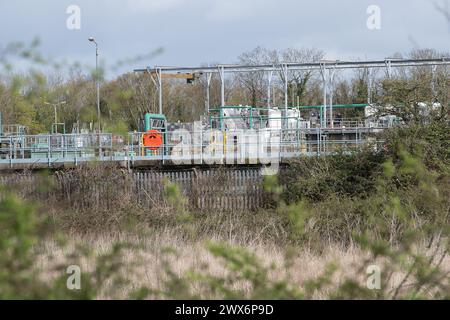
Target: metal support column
x=269 y=95
x=433 y=80
x=285 y=74
x=222 y=94
x=323 y=116
x=222 y=85
x=158 y=84
x=330 y=90
x=388 y=68
x=369 y=86
x=208 y=83
x=159 y=89
x=284 y=68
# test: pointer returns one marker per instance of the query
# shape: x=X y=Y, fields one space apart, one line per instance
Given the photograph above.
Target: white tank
x=369 y=111
x=274 y=119
x=293 y=118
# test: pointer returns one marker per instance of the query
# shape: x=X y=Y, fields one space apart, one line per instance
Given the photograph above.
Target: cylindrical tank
x=274 y=119
x=293 y=118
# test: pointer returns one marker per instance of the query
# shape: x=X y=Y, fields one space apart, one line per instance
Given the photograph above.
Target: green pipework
x=337 y=106
x=233 y=107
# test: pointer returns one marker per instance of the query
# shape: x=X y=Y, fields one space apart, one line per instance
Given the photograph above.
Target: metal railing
x=49 y=146
x=12 y=129
x=204 y=146
x=184 y=146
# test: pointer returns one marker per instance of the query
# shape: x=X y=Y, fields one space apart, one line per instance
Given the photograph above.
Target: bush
x=316 y=179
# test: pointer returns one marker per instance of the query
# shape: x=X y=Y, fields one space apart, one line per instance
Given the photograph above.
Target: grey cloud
x=197 y=31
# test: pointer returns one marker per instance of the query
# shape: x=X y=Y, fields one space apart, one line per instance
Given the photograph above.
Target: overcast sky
x=198 y=31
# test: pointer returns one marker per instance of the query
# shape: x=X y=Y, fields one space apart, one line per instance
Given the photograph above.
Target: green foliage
x=317 y=179
x=119 y=128
x=22 y=233
x=175 y=198
x=430 y=142
x=17 y=225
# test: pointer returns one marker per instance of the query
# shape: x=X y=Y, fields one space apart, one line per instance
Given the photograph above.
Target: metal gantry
x=326 y=68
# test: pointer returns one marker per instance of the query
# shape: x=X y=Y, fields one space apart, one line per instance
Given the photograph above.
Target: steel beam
x=304 y=66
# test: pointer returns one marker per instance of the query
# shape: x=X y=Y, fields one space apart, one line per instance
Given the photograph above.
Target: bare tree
x=254 y=82
x=298 y=79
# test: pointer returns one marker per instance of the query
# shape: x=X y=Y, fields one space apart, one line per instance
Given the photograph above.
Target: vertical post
x=222 y=86
x=49 y=154
x=284 y=68
x=273 y=95
x=318 y=140
x=285 y=73
x=268 y=88
x=222 y=94
x=331 y=89
x=159 y=78
x=201 y=146
x=388 y=68
x=11 y=148
x=111 y=146
x=323 y=72
x=208 y=83
x=433 y=79
x=155 y=82
x=99 y=145
x=369 y=87
x=98 y=87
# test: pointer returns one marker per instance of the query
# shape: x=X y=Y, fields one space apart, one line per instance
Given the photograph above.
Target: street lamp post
x=91 y=39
